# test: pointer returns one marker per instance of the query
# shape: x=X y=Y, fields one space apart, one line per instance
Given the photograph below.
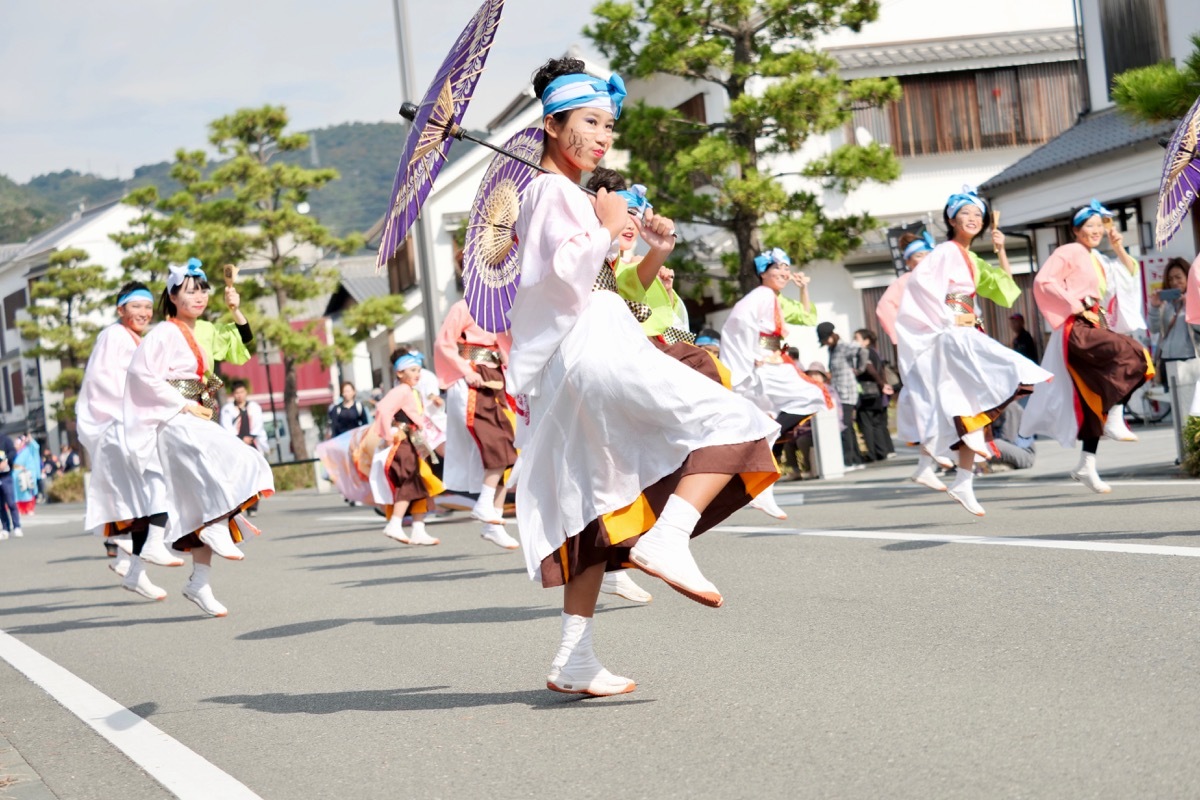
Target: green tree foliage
x=23 y=214
x=152 y=241
x=244 y=211
x=1161 y=91
x=781 y=90
x=62 y=300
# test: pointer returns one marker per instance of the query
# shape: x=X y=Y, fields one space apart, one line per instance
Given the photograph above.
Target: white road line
x=1004 y=541
x=1189 y=485
x=182 y=772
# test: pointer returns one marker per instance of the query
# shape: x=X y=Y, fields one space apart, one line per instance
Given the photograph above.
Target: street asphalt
x=844 y=664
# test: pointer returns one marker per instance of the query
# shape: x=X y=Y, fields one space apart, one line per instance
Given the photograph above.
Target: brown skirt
x=1106 y=367
x=689 y=355
x=404 y=473
x=965 y=425
x=488 y=422
x=749 y=463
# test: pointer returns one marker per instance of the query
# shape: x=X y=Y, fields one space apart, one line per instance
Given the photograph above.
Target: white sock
x=1087 y=462
x=487 y=495
x=963 y=477
x=924 y=461
x=200 y=573
x=418 y=527
x=678 y=514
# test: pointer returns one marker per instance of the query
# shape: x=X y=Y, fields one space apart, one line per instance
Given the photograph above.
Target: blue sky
x=106 y=87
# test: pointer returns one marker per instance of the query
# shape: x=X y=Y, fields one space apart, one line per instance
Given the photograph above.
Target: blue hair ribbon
x=568 y=92
x=136 y=294
x=405 y=361
x=635 y=198
x=1094 y=209
x=924 y=244
x=764 y=261
x=961 y=200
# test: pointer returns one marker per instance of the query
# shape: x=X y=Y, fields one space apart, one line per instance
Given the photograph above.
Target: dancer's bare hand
x=612 y=210
x=197 y=410
x=232 y=299
x=473 y=380
x=964 y=320
x=658 y=231
x=800 y=279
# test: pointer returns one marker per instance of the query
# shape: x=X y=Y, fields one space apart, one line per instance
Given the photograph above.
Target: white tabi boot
x=17 y=532
x=765 y=502
x=155 y=551
x=395 y=529
x=200 y=592
x=137 y=581
x=218 y=537
x=576 y=670
x=663 y=551
x=963 y=491
x=926 y=474
x=1086 y=474
x=497 y=535
x=620 y=584
x=484 y=509
x=420 y=537
x=120 y=564
x=1115 y=427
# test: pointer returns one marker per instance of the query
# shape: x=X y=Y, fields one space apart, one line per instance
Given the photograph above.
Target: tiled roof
x=1100 y=132
x=945 y=55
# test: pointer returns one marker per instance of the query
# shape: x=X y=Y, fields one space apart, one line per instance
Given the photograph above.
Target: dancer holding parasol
x=629 y=453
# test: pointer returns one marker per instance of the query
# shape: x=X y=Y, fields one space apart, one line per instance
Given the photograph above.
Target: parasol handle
x=409 y=112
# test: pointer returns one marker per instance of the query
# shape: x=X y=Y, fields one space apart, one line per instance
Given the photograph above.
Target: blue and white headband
x=136 y=294
x=405 y=361
x=966 y=197
x=703 y=340
x=924 y=244
x=776 y=256
x=568 y=92
x=176 y=274
x=1089 y=211
x=635 y=198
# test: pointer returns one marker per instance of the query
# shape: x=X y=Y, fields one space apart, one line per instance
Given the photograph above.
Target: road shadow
x=61 y=589
x=477 y=616
x=434 y=577
x=385 y=562
x=95 y=557
x=49 y=607
x=426 y=698
x=98 y=623
x=897 y=547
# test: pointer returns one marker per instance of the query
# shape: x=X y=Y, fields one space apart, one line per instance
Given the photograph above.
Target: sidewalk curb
x=18 y=780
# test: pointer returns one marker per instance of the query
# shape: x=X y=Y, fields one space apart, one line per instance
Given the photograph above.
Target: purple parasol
x=435 y=123
x=490 y=270
x=1180 y=179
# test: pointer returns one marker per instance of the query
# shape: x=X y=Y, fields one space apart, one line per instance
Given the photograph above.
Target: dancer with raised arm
x=629 y=453
x=1096 y=368
x=752 y=347
x=169 y=407
x=943 y=347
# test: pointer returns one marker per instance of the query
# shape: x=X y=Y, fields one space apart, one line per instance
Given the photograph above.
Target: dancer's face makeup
x=968 y=221
x=584 y=138
x=136 y=315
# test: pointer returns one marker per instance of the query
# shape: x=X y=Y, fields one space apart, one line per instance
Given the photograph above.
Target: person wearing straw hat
x=942 y=345
x=470 y=362
x=169 y=404
x=628 y=453
x=1096 y=367
x=752 y=346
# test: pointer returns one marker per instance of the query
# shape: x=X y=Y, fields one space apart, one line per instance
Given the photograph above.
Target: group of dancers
x=166 y=478
x=623 y=435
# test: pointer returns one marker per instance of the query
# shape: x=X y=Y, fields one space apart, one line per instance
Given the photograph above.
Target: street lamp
x=271 y=356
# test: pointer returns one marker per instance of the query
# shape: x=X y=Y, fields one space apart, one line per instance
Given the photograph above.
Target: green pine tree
x=1161 y=91
x=716 y=173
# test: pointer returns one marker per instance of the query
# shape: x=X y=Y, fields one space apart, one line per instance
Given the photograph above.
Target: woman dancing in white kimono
x=629 y=453
x=170 y=399
x=969 y=377
x=752 y=346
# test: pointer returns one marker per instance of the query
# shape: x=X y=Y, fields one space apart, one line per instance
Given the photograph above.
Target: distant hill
x=365 y=154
